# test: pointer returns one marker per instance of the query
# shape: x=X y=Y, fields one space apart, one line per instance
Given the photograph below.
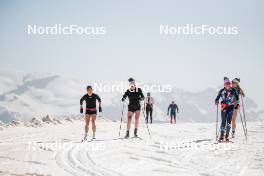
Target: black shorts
x=134 y=108
x=173 y=114
x=149 y=108
x=89 y=112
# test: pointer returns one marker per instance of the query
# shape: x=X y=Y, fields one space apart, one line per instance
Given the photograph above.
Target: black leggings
x=149 y=113
x=173 y=116
x=226 y=121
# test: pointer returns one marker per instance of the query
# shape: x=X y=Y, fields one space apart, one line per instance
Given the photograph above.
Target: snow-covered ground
x=183 y=149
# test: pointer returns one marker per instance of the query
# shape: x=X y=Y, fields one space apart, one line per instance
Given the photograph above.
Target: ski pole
x=146 y=122
x=121 y=119
x=242 y=124
x=82 y=117
x=216 y=124
x=243 y=108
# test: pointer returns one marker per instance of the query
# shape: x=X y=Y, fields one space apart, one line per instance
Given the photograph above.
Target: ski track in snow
x=121 y=157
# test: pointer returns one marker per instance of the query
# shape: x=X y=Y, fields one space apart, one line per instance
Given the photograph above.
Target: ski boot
x=221 y=138
x=127 y=134
x=135 y=133
x=227 y=138
x=85 y=137
x=233 y=134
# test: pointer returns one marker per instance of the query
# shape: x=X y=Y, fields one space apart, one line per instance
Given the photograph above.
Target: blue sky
x=133 y=45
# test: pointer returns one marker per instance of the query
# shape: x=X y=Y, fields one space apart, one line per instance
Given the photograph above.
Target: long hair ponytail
x=241 y=92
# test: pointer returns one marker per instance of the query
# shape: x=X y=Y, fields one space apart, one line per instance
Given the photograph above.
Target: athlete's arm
x=236 y=95
x=98 y=99
x=99 y=102
x=218 y=96
x=141 y=94
x=82 y=99
x=169 y=108
x=125 y=96
x=81 y=102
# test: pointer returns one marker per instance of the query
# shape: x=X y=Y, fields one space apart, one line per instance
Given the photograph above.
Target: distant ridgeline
x=24 y=96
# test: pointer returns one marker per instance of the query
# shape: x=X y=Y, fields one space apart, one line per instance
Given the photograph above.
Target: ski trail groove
x=78 y=162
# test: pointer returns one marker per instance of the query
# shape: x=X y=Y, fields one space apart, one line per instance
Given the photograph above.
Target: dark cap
x=236 y=80
x=131 y=80
x=89 y=87
x=226 y=78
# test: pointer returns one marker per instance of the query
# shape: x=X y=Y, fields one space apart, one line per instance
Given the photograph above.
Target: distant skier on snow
x=90 y=111
x=148 y=106
x=135 y=95
x=172 y=109
x=239 y=91
x=229 y=100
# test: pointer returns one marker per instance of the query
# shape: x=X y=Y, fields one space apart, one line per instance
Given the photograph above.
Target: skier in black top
x=134 y=95
x=229 y=100
x=90 y=111
x=173 y=107
x=148 y=105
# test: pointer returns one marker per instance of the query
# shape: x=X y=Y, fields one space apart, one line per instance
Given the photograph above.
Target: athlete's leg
x=223 y=124
x=86 y=128
x=234 y=120
x=137 y=114
x=175 y=118
x=150 y=111
x=147 y=114
x=129 y=117
x=228 y=119
x=93 y=124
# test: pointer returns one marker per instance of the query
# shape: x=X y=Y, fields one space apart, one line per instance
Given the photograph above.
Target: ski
x=130 y=138
x=137 y=138
x=224 y=142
